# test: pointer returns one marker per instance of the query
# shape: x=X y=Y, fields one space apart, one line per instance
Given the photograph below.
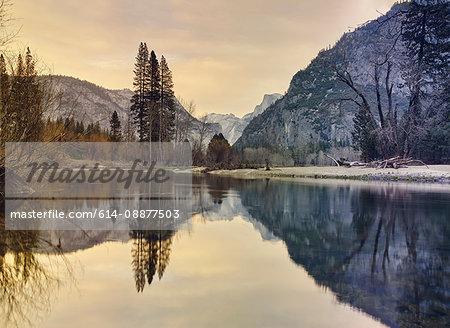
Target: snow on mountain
x=233 y=126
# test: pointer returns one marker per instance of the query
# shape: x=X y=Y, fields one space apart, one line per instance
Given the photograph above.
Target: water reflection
x=151 y=254
x=29 y=276
x=383 y=249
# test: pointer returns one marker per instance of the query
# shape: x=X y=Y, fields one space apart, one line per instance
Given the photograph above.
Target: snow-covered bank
x=434 y=173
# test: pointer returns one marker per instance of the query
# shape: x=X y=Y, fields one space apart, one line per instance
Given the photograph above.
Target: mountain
x=317 y=111
x=232 y=126
x=91 y=103
x=88 y=102
x=268 y=100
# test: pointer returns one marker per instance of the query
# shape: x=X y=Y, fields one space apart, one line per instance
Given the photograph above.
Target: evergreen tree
x=139 y=101
x=167 y=102
x=25 y=102
x=155 y=115
x=128 y=134
x=219 y=150
x=115 y=133
x=4 y=84
x=96 y=128
x=79 y=127
x=425 y=31
x=364 y=137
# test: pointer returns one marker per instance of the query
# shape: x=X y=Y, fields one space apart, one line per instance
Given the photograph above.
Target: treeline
x=27 y=98
x=69 y=129
x=311 y=153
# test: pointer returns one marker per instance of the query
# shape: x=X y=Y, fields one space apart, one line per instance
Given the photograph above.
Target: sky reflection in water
x=261 y=252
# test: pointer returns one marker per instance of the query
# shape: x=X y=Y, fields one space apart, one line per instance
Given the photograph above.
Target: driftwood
x=394 y=162
x=337 y=163
x=344 y=162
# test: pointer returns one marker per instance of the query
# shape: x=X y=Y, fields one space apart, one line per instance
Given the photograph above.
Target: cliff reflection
x=383 y=249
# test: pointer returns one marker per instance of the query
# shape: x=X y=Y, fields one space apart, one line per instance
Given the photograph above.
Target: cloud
x=224 y=54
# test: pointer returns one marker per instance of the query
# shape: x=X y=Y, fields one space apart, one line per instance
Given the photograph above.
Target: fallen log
x=333 y=159
x=344 y=162
x=394 y=162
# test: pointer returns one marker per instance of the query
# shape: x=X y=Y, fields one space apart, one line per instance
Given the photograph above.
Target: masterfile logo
x=39 y=171
x=98 y=186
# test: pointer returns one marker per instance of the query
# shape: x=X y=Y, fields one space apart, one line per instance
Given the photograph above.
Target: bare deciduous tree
x=184 y=119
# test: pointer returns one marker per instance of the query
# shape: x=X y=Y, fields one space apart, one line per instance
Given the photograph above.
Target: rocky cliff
x=315 y=113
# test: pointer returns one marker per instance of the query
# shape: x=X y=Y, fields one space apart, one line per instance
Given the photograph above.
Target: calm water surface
x=260 y=253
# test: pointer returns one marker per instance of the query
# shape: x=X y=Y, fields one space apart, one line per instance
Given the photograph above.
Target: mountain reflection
x=381 y=248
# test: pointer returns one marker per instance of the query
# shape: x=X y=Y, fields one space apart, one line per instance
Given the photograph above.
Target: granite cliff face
x=231 y=125
x=267 y=101
x=312 y=113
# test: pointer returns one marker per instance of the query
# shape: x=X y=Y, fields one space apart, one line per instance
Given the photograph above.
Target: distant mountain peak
x=268 y=100
x=232 y=126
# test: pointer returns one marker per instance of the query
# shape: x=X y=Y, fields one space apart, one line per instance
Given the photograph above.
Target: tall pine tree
x=4 y=85
x=167 y=102
x=364 y=136
x=155 y=115
x=140 y=99
x=115 y=133
x=26 y=101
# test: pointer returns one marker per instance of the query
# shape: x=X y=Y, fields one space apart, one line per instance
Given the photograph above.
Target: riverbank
x=432 y=173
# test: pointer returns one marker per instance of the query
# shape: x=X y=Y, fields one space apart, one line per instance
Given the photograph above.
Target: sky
x=224 y=55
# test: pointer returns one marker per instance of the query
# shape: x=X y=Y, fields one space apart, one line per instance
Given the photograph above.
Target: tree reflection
x=28 y=280
x=151 y=255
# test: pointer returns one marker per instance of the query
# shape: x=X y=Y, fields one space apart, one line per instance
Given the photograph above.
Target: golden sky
x=225 y=55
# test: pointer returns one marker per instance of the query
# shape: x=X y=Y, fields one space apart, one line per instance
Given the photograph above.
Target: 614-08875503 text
x=96 y=214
